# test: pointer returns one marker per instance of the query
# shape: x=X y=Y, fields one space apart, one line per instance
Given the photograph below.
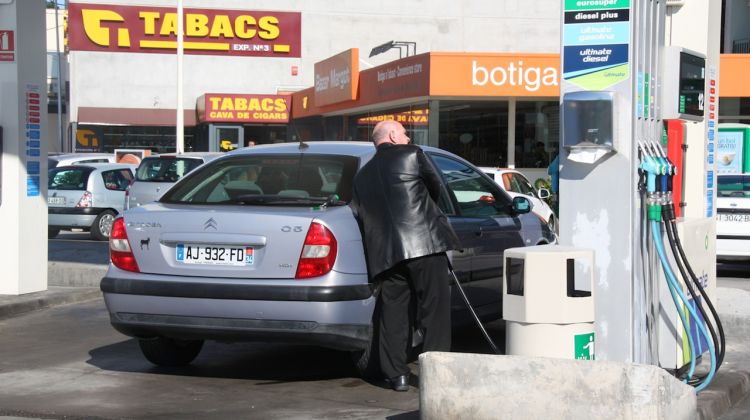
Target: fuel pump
x=637 y=121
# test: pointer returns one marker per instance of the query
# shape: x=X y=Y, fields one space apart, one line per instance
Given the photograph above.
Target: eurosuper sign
x=142 y=29
x=220 y=107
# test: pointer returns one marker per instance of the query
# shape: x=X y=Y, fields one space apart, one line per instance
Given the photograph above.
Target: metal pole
x=60 y=81
x=180 y=126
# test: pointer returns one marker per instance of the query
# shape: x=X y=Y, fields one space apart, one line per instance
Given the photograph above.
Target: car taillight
x=85 y=201
x=318 y=252
x=119 y=247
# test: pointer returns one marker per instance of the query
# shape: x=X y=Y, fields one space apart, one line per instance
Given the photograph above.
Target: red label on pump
x=675 y=140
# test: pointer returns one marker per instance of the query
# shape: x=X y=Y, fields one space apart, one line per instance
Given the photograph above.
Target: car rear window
x=734 y=186
x=68 y=178
x=165 y=169
x=117 y=180
x=294 y=180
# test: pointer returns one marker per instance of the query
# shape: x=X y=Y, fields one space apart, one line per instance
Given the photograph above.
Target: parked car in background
x=280 y=256
x=516 y=184
x=156 y=174
x=86 y=196
x=733 y=217
x=63 y=159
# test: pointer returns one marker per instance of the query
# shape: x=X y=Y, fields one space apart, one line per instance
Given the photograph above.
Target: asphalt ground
x=76 y=263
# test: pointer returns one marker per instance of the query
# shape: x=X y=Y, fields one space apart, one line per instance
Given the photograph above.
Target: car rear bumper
x=60 y=220
x=732 y=246
x=331 y=316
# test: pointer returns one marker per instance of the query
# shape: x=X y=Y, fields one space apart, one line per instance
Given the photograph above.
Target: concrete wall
x=148 y=80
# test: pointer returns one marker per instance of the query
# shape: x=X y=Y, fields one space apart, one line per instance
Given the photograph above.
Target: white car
x=517 y=185
x=64 y=159
x=733 y=217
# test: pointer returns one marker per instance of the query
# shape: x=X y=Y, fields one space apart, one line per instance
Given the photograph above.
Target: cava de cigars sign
x=111 y=28
x=235 y=108
x=337 y=78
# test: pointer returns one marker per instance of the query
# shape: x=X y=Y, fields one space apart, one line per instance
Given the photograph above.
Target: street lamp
x=411 y=48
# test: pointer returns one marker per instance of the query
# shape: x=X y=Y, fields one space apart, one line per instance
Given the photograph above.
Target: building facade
x=477 y=78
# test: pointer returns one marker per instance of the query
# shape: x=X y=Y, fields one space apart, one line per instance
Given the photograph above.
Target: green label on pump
x=682 y=104
x=596 y=4
x=584 y=346
x=664 y=137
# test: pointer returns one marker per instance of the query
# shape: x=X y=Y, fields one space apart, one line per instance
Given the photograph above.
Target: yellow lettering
x=149 y=22
x=169 y=25
x=240 y=104
x=267 y=104
x=221 y=27
x=254 y=105
x=92 y=25
x=227 y=104
x=269 y=26
x=214 y=102
x=196 y=25
x=280 y=104
x=244 y=27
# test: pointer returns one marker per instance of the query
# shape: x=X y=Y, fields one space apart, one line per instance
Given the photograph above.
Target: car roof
x=188 y=155
x=63 y=156
x=100 y=166
x=349 y=148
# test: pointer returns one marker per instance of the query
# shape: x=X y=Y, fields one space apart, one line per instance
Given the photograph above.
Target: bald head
x=389 y=131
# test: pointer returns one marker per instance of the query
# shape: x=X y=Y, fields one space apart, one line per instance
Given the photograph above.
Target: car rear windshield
x=273 y=180
x=68 y=178
x=734 y=185
x=165 y=169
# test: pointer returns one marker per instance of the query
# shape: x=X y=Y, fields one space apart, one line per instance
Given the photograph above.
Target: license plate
x=239 y=256
x=729 y=217
x=60 y=201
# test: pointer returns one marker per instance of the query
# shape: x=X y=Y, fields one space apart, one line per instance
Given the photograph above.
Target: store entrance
x=225 y=138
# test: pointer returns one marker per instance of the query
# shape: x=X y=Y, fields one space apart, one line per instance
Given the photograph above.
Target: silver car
x=87 y=197
x=65 y=159
x=156 y=174
x=276 y=254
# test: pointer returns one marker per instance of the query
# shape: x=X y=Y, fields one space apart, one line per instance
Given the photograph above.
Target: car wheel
x=52 y=233
x=164 y=351
x=102 y=226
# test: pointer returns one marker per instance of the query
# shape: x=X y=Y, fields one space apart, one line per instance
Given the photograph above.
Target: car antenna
x=302 y=144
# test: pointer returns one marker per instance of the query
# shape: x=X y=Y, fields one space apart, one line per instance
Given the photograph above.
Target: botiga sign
x=110 y=28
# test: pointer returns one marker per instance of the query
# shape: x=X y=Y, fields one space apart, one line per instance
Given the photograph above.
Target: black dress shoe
x=400 y=383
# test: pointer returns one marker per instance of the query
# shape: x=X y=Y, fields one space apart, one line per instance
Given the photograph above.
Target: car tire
x=169 y=352
x=52 y=233
x=102 y=226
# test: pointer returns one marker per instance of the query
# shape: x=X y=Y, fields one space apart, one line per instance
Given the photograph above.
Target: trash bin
x=548 y=304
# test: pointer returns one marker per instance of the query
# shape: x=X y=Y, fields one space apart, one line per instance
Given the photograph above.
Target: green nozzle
x=654 y=212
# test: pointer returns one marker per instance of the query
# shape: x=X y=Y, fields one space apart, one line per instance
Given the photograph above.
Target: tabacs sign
x=221 y=107
x=110 y=28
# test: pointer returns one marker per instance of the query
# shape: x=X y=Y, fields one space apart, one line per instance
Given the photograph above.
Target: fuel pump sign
x=684 y=84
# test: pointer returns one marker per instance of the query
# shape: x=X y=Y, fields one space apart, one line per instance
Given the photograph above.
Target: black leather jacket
x=395 y=202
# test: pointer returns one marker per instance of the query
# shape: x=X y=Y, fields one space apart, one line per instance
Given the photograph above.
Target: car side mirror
x=521 y=205
x=543 y=193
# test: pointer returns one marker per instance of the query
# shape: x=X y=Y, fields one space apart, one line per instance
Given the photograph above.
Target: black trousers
x=427 y=280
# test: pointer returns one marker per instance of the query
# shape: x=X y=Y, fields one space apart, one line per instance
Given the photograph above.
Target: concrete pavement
x=77 y=280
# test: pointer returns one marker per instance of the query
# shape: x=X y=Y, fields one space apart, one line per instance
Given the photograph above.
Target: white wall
x=147 y=80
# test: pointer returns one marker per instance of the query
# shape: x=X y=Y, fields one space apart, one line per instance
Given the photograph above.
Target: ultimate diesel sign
x=110 y=28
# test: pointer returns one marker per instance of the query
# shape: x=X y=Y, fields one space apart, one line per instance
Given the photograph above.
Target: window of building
x=414 y=118
x=475 y=130
x=537 y=133
x=97 y=138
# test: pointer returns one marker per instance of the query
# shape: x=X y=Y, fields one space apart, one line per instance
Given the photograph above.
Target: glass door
x=225 y=138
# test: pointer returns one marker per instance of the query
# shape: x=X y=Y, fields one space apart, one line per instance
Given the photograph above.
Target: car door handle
x=479 y=232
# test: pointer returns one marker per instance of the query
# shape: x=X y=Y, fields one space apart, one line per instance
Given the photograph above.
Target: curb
x=18 y=305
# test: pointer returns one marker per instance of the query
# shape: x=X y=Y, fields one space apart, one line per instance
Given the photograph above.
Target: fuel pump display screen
x=692 y=84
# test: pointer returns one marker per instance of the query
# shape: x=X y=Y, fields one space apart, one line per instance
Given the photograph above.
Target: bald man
x=406 y=237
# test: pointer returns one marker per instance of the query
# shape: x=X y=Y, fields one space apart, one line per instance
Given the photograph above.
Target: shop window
x=108 y=138
x=537 y=133
x=476 y=131
x=414 y=118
